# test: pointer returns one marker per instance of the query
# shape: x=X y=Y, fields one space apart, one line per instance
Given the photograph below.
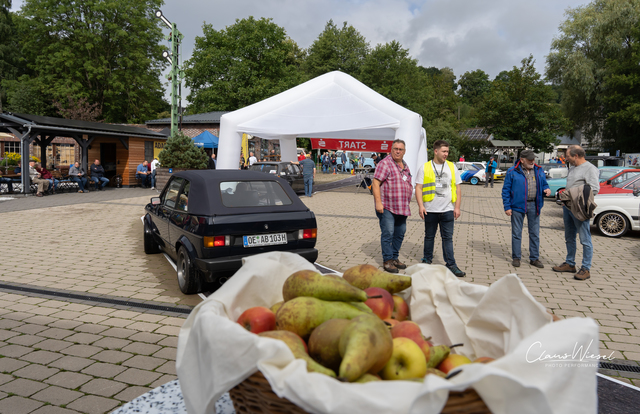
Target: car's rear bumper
x=226 y=264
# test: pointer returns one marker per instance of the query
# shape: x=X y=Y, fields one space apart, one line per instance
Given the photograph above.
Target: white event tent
x=333 y=105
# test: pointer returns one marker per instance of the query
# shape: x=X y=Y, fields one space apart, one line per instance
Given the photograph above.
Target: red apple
x=411 y=330
x=452 y=362
x=391 y=322
x=382 y=306
x=400 y=309
x=258 y=319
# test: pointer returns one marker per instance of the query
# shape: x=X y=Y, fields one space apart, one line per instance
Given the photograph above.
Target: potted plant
x=179 y=154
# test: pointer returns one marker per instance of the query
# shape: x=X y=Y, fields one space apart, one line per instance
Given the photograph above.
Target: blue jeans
x=153 y=178
x=308 y=186
x=82 y=181
x=8 y=182
x=533 y=223
x=53 y=183
x=573 y=226
x=392 y=228
x=431 y=222
x=98 y=180
x=145 y=179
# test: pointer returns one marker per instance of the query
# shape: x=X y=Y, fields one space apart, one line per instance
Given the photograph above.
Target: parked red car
x=621 y=183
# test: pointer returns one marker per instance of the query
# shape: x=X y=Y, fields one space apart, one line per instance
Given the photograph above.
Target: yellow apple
x=407 y=361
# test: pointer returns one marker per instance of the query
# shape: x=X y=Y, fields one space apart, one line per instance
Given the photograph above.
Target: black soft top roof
x=205 y=198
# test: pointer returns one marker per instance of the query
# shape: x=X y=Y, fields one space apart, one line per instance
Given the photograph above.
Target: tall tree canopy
x=342 y=49
x=473 y=85
x=523 y=108
x=594 y=40
x=245 y=63
x=8 y=47
x=105 y=51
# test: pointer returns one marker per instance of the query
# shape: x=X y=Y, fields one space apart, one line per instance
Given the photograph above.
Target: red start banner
x=355 y=145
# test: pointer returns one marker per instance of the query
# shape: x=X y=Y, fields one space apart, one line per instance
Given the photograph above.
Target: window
x=171 y=195
x=253 y=194
x=184 y=198
x=148 y=150
x=12 y=147
x=64 y=154
x=624 y=177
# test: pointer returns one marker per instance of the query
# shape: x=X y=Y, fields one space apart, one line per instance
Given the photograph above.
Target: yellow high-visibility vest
x=429 y=182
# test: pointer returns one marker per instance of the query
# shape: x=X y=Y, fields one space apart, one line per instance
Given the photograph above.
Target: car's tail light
x=307 y=234
x=216 y=241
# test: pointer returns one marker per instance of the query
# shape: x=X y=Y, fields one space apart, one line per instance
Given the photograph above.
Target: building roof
x=63 y=126
x=204 y=118
x=506 y=144
x=476 y=134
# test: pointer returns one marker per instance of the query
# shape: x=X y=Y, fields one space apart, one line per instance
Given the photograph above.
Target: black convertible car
x=208 y=220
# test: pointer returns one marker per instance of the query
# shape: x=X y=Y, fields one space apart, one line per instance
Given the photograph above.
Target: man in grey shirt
x=581 y=172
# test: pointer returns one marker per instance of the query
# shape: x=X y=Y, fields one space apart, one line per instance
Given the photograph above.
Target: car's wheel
x=150 y=245
x=474 y=180
x=612 y=224
x=367 y=169
x=187 y=275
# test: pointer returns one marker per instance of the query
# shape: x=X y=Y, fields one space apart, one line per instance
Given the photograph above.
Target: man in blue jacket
x=490 y=169
x=522 y=194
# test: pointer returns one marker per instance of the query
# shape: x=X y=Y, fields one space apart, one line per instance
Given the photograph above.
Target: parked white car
x=617 y=213
x=470 y=173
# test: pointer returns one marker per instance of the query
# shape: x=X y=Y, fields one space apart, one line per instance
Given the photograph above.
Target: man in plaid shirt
x=392 y=190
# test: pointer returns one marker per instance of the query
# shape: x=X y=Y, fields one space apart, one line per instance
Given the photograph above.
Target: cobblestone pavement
x=61 y=353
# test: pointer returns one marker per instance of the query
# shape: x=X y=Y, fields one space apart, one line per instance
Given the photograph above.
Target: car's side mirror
x=608 y=182
x=155 y=201
x=636 y=191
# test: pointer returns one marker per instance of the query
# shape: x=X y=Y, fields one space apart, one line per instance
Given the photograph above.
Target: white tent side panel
x=333 y=105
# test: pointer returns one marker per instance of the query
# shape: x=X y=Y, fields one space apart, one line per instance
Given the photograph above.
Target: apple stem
x=456 y=345
x=374 y=297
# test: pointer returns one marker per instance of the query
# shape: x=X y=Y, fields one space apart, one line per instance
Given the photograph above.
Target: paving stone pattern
x=62 y=356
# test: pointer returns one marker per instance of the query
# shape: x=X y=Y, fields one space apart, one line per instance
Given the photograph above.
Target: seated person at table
x=46 y=175
x=9 y=181
x=77 y=174
x=43 y=185
x=143 y=173
x=97 y=175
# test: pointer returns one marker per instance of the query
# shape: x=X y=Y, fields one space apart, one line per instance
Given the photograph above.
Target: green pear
x=302 y=315
x=324 y=342
x=274 y=308
x=368 y=378
x=365 y=346
x=366 y=276
x=438 y=354
x=313 y=284
x=297 y=347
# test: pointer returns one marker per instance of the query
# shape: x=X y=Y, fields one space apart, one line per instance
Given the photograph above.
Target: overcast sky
x=465 y=35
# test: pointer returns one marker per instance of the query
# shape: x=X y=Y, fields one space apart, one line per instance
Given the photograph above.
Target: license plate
x=265 y=240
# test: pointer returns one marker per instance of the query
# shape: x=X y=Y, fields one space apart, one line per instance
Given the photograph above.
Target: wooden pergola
x=42 y=130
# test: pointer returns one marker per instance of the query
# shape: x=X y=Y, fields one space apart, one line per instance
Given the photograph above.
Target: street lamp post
x=176 y=74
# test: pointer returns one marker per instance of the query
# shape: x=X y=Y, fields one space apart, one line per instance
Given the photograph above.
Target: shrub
x=179 y=152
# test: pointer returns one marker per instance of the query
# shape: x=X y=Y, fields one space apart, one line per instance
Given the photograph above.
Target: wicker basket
x=254 y=395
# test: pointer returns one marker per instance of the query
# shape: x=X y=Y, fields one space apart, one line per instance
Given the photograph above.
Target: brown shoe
x=537 y=263
x=516 y=263
x=397 y=263
x=583 y=274
x=390 y=267
x=38 y=194
x=564 y=267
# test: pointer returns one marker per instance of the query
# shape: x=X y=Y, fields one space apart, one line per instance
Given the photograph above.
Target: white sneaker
x=153 y=188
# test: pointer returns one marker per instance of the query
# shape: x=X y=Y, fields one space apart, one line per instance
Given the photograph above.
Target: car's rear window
x=253 y=194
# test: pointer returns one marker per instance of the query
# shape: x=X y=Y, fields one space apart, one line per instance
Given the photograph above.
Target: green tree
x=9 y=51
x=106 y=51
x=593 y=38
x=390 y=71
x=336 y=49
x=621 y=101
x=241 y=65
x=180 y=152
x=473 y=85
x=523 y=108
x=28 y=95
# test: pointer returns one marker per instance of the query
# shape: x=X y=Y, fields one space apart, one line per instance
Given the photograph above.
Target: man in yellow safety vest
x=438 y=196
